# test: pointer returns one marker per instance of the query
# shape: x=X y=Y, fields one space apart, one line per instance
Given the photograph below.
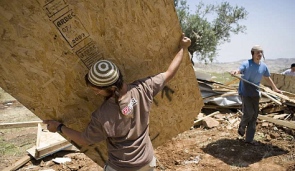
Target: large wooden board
x=47 y=47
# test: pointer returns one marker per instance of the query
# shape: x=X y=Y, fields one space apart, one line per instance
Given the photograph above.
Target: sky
x=270 y=23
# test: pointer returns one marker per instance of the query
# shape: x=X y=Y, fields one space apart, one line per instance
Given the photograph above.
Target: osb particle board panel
x=283 y=82
x=47 y=47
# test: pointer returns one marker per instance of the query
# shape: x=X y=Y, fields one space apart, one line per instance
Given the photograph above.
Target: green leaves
x=210 y=26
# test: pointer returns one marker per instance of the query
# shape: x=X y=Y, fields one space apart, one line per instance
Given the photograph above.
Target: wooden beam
x=19 y=124
x=18 y=164
x=278 y=122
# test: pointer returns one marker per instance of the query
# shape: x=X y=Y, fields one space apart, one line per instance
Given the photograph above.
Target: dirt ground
x=200 y=148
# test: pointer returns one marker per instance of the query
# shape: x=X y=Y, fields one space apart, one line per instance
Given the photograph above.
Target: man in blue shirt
x=252 y=70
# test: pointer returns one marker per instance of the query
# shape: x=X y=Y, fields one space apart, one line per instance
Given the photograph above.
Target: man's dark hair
x=293 y=65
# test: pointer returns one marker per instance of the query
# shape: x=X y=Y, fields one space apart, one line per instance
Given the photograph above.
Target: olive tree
x=209 y=26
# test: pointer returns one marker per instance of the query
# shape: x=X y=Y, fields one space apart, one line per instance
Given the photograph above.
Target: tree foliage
x=210 y=26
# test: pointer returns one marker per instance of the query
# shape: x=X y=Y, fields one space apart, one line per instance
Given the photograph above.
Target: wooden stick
x=246 y=81
x=199 y=120
x=266 y=89
x=19 y=124
x=263 y=93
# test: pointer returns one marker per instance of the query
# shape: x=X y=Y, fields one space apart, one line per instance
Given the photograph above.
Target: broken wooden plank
x=271 y=98
x=18 y=164
x=278 y=122
x=197 y=122
x=19 y=124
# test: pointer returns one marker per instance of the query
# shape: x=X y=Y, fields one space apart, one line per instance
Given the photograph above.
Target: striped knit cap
x=103 y=73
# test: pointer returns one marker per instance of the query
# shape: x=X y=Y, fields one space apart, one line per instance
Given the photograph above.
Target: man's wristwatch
x=58 y=129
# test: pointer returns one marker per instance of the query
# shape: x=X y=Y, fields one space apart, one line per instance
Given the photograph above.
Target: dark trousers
x=250 y=108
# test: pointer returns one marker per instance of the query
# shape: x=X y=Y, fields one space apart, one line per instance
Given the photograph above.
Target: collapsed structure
x=219 y=96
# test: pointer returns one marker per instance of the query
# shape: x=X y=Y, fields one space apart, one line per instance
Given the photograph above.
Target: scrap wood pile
x=275 y=106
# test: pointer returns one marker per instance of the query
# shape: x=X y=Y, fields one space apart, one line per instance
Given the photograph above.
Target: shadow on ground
x=235 y=152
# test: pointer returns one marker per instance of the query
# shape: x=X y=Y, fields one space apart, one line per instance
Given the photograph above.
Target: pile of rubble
x=274 y=107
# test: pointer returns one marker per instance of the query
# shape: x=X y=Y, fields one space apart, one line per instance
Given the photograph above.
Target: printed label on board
x=89 y=54
x=71 y=28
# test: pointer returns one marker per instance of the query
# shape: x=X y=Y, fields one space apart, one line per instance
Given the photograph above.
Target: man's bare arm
x=174 y=65
x=273 y=86
x=73 y=135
